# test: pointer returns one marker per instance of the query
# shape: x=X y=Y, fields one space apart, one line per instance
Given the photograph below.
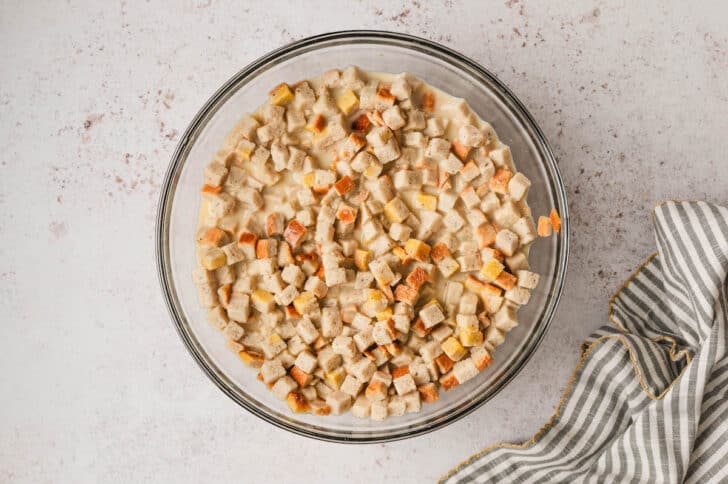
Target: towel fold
x=648 y=401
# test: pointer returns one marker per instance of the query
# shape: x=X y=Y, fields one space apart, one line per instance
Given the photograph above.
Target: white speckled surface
x=95 y=385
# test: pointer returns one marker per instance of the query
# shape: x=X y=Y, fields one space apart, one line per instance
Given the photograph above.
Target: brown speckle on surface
x=57 y=229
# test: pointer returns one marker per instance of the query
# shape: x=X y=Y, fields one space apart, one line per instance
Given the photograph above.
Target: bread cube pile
x=364 y=244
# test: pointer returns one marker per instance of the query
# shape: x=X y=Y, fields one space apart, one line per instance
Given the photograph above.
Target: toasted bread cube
x=384 y=99
x=339 y=402
x=469 y=171
x=486 y=235
x=251 y=358
x=387 y=152
x=501 y=156
x=518 y=186
x=404 y=384
x=293 y=275
x=396 y=210
x=344 y=346
x=490 y=202
x=417 y=278
x=527 y=279
x=347 y=102
x=469 y=262
x=470 y=136
x=335 y=377
x=518 y=295
x=272 y=370
x=234 y=253
x=331 y=324
x=381 y=272
x=405 y=294
x=379 y=410
x=444 y=363
x=461 y=151
x=396 y=406
x=215 y=174
x=428 y=392
x=301 y=377
x=327 y=359
x=381 y=333
x=506 y=241
x=481 y=357
x=412 y=402
x=491 y=269
x=453 y=292
x=453 y=221
x=400 y=88
x=414 y=138
x=525 y=230
x=281 y=95
x=439 y=252
x=451 y=164
x=305 y=303
x=213 y=258
x=399 y=232
x=499 y=182
x=424 y=201
x=417 y=249
x=351 y=386
x=470 y=337
x=449 y=381
x=506 y=318
x=262 y=300
x=430 y=350
x=469 y=304
x=298 y=402
x=494 y=336
x=438 y=149
x=307 y=331
x=335 y=277
x=218 y=318
x=250 y=197
x=273 y=345
x=361 y=407
x=431 y=314
x=306 y=361
x=363 y=280
x=363 y=369
x=469 y=197
x=283 y=387
x=394 y=118
x=555 y=220
x=239 y=307
x=544 y=227
x=465 y=370
x=453 y=349
x=233 y=331
x=266 y=249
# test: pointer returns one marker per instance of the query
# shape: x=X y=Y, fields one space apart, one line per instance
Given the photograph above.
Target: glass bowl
x=373 y=51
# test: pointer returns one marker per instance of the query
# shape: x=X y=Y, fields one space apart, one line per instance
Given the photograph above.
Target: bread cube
x=307 y=331
x=501 y=156
x=283 y=387
x=339 y=402
x=469 y=197
x=215 y=174
x=506 y=318
x=394 y=118
x=351 y=386
x=327 y=359
x=331 y=324
x=450 y=163
x=518 y=295
x=527 y=279
x=396 y=210
x=469 y=262
x=506 y=242
x=438 y=149
x=523 y=227
x=465 y=370
x=431 y=314
x=453 y=349
x=272 y=370
x=436 y=127
x=453 y=221
x=379 y=410
x=363 y=369
x=344 y=346
x=428 y=392
x=494 y=336
x=273 y=345
x=518 y=186
x=470 y=135
x=490 y=202
x=239 y=307
x=517 y=261
x=361 y=407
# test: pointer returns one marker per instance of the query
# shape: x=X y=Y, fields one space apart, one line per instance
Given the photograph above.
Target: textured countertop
x=96 y=386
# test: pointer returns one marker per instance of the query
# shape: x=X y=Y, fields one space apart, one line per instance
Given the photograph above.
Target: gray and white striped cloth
x=648 y=401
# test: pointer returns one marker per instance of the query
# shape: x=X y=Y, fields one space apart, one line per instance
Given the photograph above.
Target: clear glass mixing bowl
x=374 y=51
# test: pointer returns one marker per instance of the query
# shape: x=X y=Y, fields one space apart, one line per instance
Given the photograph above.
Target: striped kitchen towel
x=648 y=401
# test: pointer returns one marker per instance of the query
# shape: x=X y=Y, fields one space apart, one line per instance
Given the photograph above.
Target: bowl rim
x=168 y=188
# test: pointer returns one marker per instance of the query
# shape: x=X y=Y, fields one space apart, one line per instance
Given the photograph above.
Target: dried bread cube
x=527 y=279
x=351 y=386
x=519 y=295
x=361 y=407
x=272 y=370
x=283 y=387
x=339 y=402
x=523 y=227
x=506 y=241
x=379 y=410
x=505 y=319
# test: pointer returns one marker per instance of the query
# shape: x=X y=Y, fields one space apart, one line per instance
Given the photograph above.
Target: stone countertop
x=96 y=386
